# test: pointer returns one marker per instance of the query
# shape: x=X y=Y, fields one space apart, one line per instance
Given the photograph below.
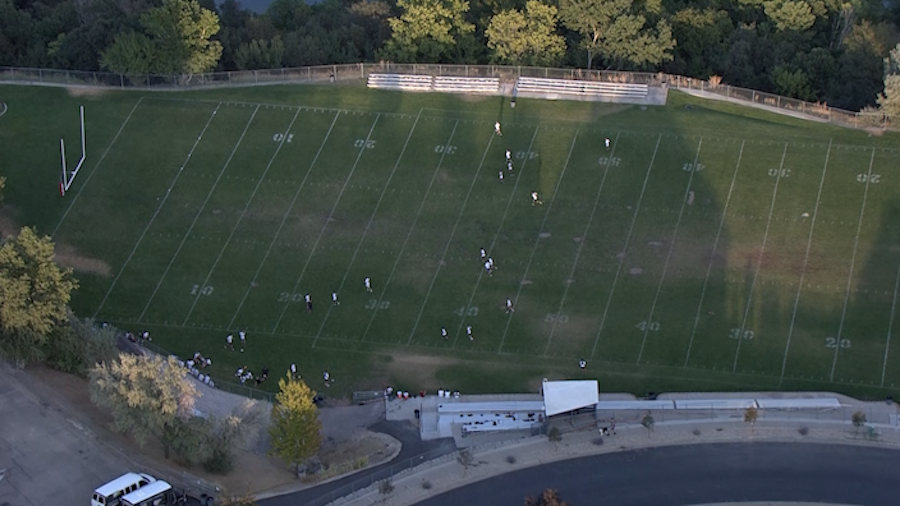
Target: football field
x=764 y=253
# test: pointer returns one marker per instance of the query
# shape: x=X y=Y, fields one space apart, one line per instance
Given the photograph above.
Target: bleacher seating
x=582 y=88
x=405 y=82
x=450 y=84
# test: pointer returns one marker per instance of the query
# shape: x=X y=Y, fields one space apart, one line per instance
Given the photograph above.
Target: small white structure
x=565 y=396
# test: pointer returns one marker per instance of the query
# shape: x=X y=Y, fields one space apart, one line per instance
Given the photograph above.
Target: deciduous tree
x=750 y=416
x=148 y=397
x=526 y=37
x=889 y=100
x=34 y=294
x=429 y=31
x=549 y=497
x=295 y=430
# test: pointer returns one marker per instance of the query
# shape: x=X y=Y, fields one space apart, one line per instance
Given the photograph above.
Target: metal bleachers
x=405 y=82
x=611 y=91
x=450 y=84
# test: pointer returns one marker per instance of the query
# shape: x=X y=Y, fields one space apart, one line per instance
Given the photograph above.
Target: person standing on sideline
x=368 y=283
x=294 y=372
x=497 y=128
x=243 y=336
x=469 y=332
x=334 y=299
x=509 y=307
x=444 y=333
x=308 y=303
x=535 y=200
x=229 y=342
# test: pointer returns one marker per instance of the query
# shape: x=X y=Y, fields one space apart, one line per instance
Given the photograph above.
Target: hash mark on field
x=712 y=258
x=409 y=233
x=242 y=214
x=662 y=277
x=509 y=202
x=637 y=209
x=312 y=252
x=96 y=166
x=862 y=211
x=368 y=226
x=584 y=236
x=812 y=227
x=158 y=209
x=537 y=241
x=887 y=345
x=453 y=233
x=199 y=212
x=762 y=252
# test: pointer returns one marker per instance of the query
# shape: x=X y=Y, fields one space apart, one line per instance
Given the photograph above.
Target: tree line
x=828 y=51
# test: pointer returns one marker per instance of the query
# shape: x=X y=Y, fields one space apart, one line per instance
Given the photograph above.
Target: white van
x=109 y=494
x=158 y=493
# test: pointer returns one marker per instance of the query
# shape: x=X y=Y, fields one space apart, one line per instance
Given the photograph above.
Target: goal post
x=68 y=177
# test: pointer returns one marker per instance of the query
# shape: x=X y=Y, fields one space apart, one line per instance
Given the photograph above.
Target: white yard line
x=662 y=277
x=625 y=248
x=712 y=258
x=283 y=221
x=812 y=227
x=862 y=211
x=312 y=252
x=584 y=235
x=762 y=252
x=199 y=213
x=241 y=216
x=412 y=227
x=368 y=225
x=96 y=166
x=509 y=202
x=887 y=344
x=537 y=239
x=453 y=231
x=158 y=207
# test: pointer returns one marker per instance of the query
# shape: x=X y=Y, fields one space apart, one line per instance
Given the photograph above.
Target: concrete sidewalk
x=671 y=428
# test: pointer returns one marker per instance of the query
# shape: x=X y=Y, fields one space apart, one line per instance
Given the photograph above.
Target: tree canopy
x=295 y=430
x=148 y=397
x=526 y=38
x=429 y=31
x=34 y=294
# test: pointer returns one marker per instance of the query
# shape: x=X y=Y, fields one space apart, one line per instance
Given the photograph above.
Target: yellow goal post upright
x=67 y=177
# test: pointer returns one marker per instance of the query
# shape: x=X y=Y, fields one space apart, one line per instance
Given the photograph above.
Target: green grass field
x=712 y=247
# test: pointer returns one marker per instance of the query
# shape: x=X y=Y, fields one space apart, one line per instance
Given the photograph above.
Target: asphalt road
x=700 y=474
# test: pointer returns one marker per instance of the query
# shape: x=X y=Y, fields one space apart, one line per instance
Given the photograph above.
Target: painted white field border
x=584 y=236
x=512 y=196
x=762 y=252
x=362 y=149
x=662 y=277
x=412 y=227
x=637 y=209
x=712 y=258
x=887 y=344
x=537 y=240
x=199 y=213
x=283 y=221
x=453 y=232
x=812 y=227
x=6 y=108
x=96 y=165
x=862 y=212
x=159 y=207
x=368 y=226
x=259 y=183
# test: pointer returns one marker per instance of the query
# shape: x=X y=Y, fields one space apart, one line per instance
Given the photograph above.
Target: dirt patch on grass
x=85 y=91
x=419 y=370
x=68 y=256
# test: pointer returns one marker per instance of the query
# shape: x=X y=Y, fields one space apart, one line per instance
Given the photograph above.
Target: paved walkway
x=671 y=428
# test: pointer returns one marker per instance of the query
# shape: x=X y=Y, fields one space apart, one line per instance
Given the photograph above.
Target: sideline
x=3 y=111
